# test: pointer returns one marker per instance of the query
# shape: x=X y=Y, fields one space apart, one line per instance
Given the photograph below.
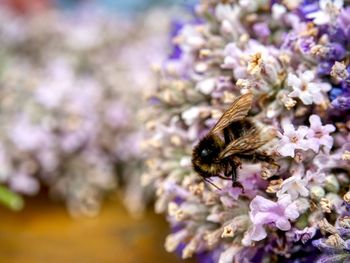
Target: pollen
x=228 y=231
x=346 y=156
x=255 y=64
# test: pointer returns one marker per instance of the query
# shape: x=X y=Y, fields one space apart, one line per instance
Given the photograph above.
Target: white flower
x=307 y=91
x=329 y=9
x=295 y=185
x=318 y=135
x=278 y=11
x=173 y=240
x=315 y=178
x=292 y=140
x=190 y=115
x=24 y=183
x=226 y=12
x=251 y=6
x=228 y=15
x=206 y=86
x=190 y=38
x=227 y=256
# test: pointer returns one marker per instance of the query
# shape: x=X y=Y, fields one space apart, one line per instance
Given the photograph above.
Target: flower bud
x=190 y=249
x=331 y=184
x=346 y=156
x=302 y=204
x=173 y=240
x=317 y=192
x=212 y=238
x=274 y=186
x=344 y=222
x=326 y=205
x=346 y=197
x=335 y=241
x=226 y=27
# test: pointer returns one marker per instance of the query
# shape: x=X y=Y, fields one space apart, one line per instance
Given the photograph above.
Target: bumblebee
x=233 y=139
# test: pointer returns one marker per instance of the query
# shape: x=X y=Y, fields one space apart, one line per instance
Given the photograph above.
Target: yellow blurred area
x=44 y=232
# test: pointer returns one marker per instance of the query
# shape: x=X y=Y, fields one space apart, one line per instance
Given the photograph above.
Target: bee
x=234 y=138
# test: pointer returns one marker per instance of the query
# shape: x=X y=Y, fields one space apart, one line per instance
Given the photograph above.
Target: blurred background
x=73 y=75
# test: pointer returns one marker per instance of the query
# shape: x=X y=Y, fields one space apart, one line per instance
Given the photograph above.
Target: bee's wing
x=238 y=110
x=251 y=141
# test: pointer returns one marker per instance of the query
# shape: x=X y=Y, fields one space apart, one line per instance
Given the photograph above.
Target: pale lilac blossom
x=296 y=185
x=278 y=10
x=264 y=211
x=318 y=135
x=305 y=234
x=305 y=89
x=190 y=38
x=292 y=140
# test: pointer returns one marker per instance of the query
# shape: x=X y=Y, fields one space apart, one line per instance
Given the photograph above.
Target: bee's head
x=205 y=155
x=208 y=149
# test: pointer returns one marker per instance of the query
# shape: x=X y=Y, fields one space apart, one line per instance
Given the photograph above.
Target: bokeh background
x=73 y=77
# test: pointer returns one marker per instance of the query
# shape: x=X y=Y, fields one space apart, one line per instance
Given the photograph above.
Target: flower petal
x=293 y=81
x=291 y=211
x=315 y=121
x=283 y=224
x=287 y=149
x=307 y=76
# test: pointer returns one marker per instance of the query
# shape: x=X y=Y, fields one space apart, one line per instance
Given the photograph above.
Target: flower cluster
x=292 y=56
x=68 y=93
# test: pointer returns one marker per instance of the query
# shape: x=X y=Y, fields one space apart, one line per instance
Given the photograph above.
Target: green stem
x=10 y=199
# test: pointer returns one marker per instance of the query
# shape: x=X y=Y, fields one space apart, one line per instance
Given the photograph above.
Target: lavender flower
x=291 y=55
x=295 y=185
x=318 y=135
x=292 y=140
x=328 y=11
x=308 y=92
x=264 y=211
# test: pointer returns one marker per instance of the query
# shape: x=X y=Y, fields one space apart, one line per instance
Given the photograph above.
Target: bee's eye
x=204 y=153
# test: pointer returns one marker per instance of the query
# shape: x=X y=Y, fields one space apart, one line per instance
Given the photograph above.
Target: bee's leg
x=234 y=163
x=227 y=171
x=236 y=183
x=234 y=173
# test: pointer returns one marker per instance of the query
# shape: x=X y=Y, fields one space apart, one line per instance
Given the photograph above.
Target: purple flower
x=325 y=67
x=336 y=52
x=262 y=30
x=342 y=102
x=308 y=7
x=338 y=35
x=176 y=51
x=305 y=234
x=264 y=211
x=335 y=92
x=23 y=183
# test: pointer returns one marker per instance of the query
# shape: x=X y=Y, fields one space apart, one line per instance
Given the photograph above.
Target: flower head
x=292 y=140
x=264 y=211
x=307 y=91
x=318 y=135
x=295 y=185
x=329 y=9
